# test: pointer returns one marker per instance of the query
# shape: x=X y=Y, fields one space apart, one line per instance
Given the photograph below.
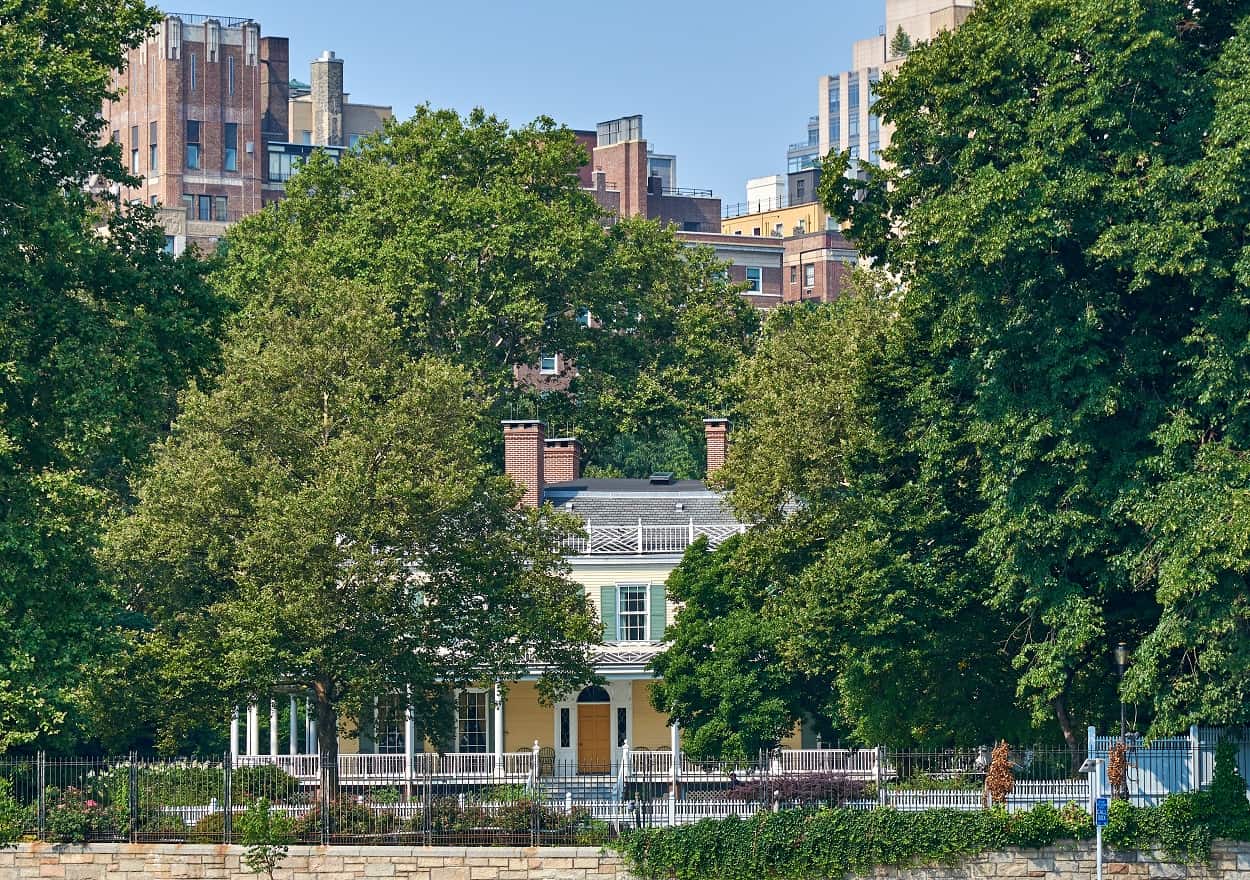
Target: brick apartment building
x=805 y=267
x=203 y=119
x=628 y=180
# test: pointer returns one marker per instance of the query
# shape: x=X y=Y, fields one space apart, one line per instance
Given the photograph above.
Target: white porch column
x=498 y=695
x=253 y=729
x=292 y=726
x=314 y=747
x=310 y=734
x=234 y=732
x=273 y=726
x=410 y=746
x=674 y=734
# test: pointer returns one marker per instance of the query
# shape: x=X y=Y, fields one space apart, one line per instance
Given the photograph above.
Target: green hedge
x=834 y=843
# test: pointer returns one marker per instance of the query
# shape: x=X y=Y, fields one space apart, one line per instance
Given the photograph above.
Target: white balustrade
x=641 y=538
x=856 y=763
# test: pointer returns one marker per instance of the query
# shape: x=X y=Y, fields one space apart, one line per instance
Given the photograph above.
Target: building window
x=193 y=144
x=152 y=151
x=305 y=137
x=116 y=136
x=755 y=278
x=205 y=208
x=809 y=276
x=219 y=209
x=192 y=62
x=631 y=618
x=549 y=364
x=471 y=722
x=755 y=231
x=852 y=107
x=835 y=111
x=152 y=201
x=169 y=242
x=621 y=728
x=794 y=274
x=800 y=189
x=353 y=141
x=779 y=230
x=565 y=736
x=230 y=74
x=230 y=142
x=691 y=226
x=388 y=726
x=188 y=202
x=134 y=149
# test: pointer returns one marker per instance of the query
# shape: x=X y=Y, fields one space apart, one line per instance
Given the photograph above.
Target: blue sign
x=1100 y=812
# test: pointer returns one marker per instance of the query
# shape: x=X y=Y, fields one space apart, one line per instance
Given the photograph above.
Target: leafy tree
x=1063 y=212
x=876 y=594
x=266 y=837
x=98 y=328
x=900 y=43
x=492 y=254
x=325 y=516
x=724 y=677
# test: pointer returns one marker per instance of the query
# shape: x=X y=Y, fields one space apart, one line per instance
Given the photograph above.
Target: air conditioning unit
x=249 y=147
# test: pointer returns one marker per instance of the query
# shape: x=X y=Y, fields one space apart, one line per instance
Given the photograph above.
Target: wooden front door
x=594 y=743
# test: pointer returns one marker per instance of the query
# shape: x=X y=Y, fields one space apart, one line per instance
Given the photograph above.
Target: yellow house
x=637 y=531
x=778 y=222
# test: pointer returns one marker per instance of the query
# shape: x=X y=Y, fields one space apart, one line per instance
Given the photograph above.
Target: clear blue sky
x=724 y=85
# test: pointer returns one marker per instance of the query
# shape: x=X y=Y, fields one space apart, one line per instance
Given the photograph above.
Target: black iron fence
x=547 y=802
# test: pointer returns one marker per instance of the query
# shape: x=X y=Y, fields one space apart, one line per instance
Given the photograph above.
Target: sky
x=724 y=85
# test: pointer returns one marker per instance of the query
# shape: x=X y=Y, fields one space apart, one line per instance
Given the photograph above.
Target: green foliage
x=723 y=676
x=1063 y=213
x=838 y=842
x=900 y=43
x=265 y=836
x=14 y=818
x=279 y=531
x=97 y=332
x=482 y=240
x=514 y=818
x=863 y=584
x=1228 y=786
x=75 y=816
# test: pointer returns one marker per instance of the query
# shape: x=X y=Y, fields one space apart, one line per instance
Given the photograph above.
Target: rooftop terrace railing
x=759 y=206
x=621 y=540
x=225 y=21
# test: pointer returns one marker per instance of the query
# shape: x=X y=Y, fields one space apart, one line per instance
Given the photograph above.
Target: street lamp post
x=1121 y=663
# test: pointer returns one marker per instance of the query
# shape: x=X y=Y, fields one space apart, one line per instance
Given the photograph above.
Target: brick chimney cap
x=562 y=440
x=523 y=423
x=719 y=420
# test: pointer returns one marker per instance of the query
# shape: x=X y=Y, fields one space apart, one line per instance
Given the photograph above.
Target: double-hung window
x=153 y=152
x=134 y=149
x=471 y=722
x=549 y=364
x=631 y=615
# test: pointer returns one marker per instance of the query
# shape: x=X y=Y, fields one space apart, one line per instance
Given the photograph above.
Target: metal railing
x=759 y=206
x=686 y=191
x=196 y=18
x=640 y=538
x=462 y=799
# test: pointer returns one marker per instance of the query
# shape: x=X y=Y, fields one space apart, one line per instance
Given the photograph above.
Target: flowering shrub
x=75 y=816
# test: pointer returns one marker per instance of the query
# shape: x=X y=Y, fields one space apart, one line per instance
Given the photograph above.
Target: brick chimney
x=562 y=460
x=717 y=433
x=523 y=455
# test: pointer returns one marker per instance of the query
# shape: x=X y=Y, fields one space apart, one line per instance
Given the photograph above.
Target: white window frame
x=485 y=721
x=554 y=369
x=756 y=285
x=645 y=613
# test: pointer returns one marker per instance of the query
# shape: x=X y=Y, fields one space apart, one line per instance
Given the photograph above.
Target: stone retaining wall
x=149 y=861
x=112 y=861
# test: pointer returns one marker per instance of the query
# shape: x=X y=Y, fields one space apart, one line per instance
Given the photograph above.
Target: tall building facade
x=845 y=121
x=200 y=101
x=203 y=119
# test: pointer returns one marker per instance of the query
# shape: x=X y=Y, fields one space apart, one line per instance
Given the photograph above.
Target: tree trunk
x=1069 y=735
x=327 y=740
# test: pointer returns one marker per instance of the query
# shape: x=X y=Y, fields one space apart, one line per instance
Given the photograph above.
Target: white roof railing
x=603 y=540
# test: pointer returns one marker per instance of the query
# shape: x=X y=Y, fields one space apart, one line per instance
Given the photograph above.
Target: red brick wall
x=717 y=433
x=562 y=460
x=523 y=454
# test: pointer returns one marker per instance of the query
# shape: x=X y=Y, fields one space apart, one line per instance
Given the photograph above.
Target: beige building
x=320 y=114
x=845 y=120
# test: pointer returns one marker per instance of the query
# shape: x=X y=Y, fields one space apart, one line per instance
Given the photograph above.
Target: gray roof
x=608 y=502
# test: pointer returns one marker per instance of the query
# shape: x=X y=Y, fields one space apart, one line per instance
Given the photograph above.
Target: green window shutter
x=659 y=615
x=607 y=612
